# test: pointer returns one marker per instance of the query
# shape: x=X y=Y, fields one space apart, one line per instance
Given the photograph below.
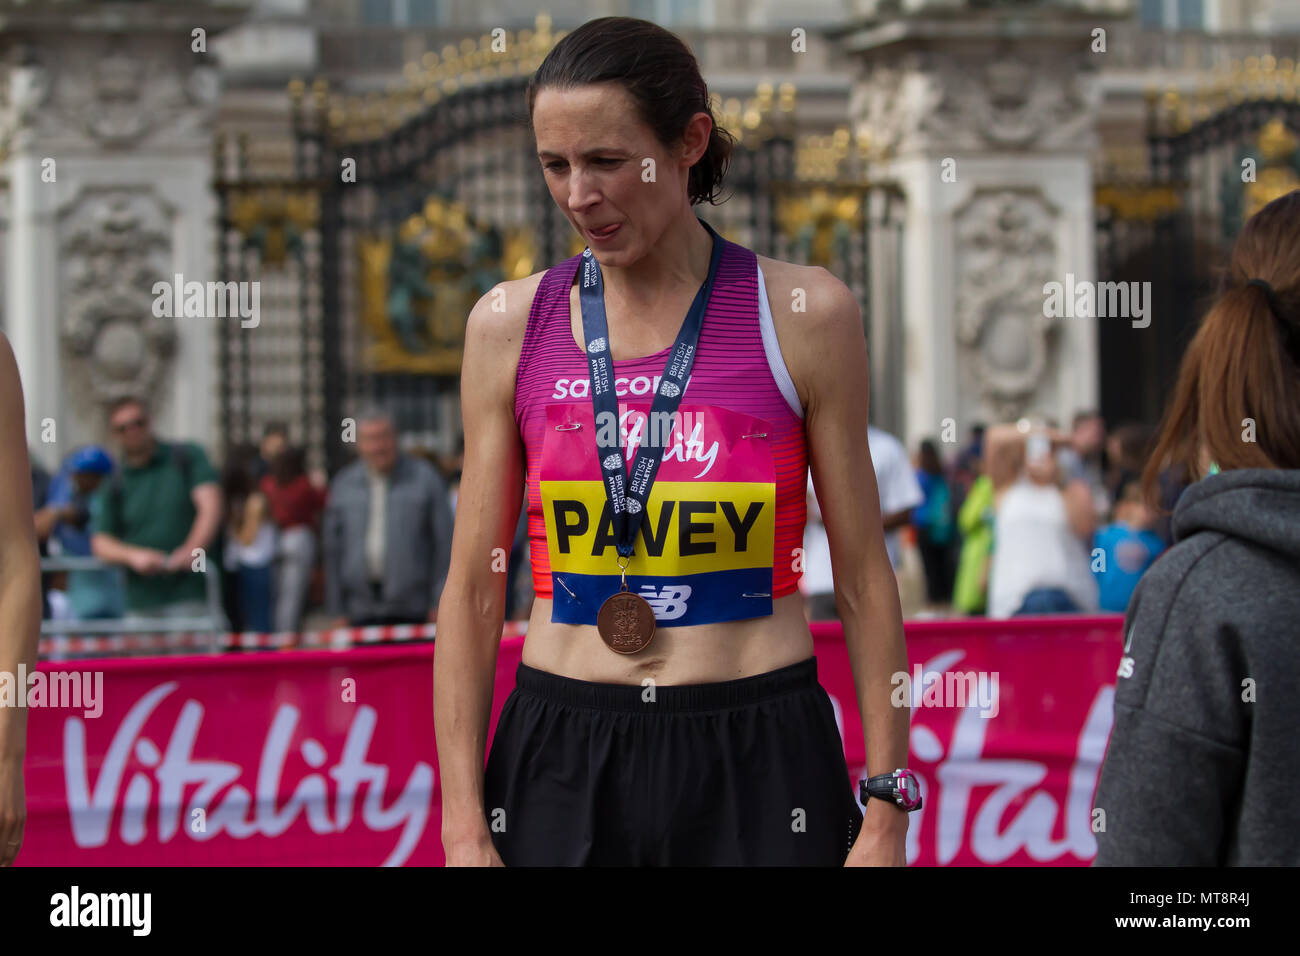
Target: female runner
x=667 y=709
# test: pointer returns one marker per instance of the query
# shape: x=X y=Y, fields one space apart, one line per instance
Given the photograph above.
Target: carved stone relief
x=1005 y=253
x=114 y=245
x=103 y=95
x=976 y=100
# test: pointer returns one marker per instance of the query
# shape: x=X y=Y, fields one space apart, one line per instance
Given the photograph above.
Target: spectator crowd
x=256 y=547
x=1023 y=519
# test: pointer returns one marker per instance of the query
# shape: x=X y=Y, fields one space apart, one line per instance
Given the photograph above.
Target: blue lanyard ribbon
x=628 y=497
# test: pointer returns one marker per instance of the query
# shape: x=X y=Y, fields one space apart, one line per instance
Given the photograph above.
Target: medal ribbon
x=628 y=497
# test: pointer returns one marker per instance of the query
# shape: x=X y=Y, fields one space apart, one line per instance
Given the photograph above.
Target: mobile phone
x=1038 y=447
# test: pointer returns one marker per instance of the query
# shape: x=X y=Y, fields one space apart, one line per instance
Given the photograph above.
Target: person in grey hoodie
x=1203 y=764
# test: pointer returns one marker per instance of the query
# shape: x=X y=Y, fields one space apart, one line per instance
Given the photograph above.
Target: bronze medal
x=626 y=622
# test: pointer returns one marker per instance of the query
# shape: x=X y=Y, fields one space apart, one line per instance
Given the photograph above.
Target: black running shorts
x=748 y=772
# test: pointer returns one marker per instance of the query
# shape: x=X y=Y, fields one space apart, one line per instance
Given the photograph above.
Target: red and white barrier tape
x=63 y=645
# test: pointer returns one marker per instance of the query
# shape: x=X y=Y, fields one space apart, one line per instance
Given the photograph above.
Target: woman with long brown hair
x=667 y=708
x=1202 y=767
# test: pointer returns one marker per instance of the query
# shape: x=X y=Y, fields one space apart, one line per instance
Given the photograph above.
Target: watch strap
x=883 y=786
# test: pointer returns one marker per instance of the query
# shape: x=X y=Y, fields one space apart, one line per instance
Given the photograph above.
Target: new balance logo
x=668 y=602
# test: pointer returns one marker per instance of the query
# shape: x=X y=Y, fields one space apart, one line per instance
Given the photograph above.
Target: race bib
x=704 y=547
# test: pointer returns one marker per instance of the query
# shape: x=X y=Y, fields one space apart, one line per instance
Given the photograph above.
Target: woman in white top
x=1041 y=530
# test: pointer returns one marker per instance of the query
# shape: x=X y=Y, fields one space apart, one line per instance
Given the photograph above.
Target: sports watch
x=900 y=787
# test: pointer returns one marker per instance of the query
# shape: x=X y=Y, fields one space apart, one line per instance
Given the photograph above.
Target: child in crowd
x=1128 y=546
x=250 y=545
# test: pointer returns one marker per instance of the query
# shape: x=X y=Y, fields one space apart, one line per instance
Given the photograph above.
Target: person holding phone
x=1042 y=526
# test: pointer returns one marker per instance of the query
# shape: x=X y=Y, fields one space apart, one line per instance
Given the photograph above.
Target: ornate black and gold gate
x=1211 y=159
x=397 y=211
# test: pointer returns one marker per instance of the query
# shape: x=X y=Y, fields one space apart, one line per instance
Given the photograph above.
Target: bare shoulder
x=14 y=426
x=500 y=316
x=810 y=292
x=8 y=364
x=15 y=471
x=816 y=316
x=494 y=334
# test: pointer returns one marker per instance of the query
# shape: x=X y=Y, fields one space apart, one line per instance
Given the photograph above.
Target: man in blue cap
x=63 y=523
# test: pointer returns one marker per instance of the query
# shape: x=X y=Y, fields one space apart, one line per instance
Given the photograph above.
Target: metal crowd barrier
x=64 y=647
x=213 y=624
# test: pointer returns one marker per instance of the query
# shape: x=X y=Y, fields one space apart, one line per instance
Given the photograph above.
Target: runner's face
x=593 y=148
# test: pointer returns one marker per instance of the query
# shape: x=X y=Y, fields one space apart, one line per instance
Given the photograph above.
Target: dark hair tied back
x=658 y=71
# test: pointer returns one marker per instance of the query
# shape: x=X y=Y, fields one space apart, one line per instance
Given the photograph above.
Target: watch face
x=909 y=790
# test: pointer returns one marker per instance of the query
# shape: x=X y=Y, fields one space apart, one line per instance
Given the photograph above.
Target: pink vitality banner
x=327 y=757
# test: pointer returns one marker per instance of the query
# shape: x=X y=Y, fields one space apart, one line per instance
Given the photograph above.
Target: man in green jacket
x=158 y=518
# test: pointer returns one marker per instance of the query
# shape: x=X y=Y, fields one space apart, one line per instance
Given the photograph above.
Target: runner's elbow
x=478 y=593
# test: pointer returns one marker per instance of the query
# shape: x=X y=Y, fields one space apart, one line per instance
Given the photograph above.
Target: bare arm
x=1004 y=455
x=47 y=519
x=208 y=504
x=472 y=610
x=114 y=550
x=1078 y=508
x=830 y=359
x=440 y=516
x=207 y=520
x=20 y=597
x=896 y=520
x=107 y=546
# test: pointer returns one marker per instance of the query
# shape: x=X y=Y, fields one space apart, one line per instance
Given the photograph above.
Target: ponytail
x=1238 y=387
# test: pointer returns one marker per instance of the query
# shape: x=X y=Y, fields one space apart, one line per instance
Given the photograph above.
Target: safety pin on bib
x=567 y=588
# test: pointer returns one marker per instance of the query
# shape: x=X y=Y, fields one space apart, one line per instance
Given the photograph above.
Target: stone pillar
x=985 y=119
x=107 y=121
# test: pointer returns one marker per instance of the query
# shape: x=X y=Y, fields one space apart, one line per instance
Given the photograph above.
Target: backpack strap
x=115 y=490
x=180 y=453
